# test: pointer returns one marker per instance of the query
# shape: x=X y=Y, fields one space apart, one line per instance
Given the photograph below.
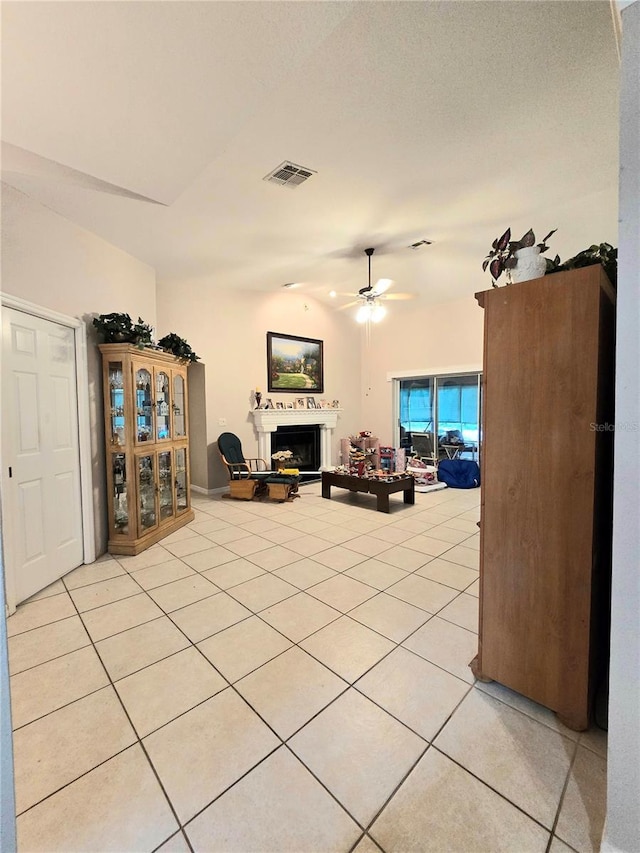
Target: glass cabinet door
x=179 y=419
x=181 y=479
x=120 y=499
x=163 y=417
x=144 y=404
x=146 y=492
x=116 y=401
x=165 y=485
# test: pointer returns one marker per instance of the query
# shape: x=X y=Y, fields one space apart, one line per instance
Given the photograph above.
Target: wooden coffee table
x=380 y=488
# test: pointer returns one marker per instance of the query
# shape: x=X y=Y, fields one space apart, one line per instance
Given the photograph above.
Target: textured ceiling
x=152 y=124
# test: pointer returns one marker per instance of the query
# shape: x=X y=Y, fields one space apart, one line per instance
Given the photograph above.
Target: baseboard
x=200 y=491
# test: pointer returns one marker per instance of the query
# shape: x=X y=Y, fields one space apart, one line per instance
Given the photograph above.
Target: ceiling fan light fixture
x=378 y=312
x=363 y=313
x=372 y=311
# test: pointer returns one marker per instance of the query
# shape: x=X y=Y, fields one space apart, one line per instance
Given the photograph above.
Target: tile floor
x=287 y=677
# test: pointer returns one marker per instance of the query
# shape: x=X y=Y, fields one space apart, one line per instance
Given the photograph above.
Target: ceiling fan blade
x=399 y=296
x=382 y=285
x=349 y=305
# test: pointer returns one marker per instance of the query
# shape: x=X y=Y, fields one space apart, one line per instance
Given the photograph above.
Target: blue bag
x=459 y=473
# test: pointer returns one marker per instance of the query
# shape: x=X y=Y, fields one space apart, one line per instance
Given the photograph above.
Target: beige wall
x=228 y=331
x=49 y=261
x=420 y=339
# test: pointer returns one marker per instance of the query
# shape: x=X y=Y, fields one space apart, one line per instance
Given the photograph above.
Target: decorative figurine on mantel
x=258 y=397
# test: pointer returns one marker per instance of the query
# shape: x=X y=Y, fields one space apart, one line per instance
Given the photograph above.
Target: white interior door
x=42 y=503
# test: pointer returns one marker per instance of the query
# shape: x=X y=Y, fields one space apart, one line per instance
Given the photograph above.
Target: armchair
x=246 y=475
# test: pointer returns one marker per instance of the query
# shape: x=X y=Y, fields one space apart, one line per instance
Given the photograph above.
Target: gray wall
x=198 y=426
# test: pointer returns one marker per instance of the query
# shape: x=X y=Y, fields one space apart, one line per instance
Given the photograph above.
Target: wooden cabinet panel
x=547 y=479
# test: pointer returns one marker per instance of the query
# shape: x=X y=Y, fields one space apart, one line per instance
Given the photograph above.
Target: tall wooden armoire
x=547 y=474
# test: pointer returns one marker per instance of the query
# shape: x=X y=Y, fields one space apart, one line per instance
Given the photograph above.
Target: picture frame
x=279 y=405
x=289 y=405
x=311 y=403
x=268 y=404
x=300 y=403
x=294 y=363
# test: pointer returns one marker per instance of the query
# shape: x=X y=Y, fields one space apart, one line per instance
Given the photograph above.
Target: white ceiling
x=152 y=124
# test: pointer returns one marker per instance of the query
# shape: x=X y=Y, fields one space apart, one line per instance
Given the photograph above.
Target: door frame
x=84 y=433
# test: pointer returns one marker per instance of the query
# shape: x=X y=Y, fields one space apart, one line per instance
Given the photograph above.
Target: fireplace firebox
x=303 y=440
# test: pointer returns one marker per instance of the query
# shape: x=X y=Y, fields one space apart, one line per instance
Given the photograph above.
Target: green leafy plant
x=119 y=328
x=177 y=346
x=599 y=253
x=502 y=255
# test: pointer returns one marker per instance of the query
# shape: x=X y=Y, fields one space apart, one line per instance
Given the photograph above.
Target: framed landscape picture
x=294 y=363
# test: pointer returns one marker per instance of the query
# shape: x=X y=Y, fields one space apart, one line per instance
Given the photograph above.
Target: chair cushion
x=282 y=478
x=230 y=447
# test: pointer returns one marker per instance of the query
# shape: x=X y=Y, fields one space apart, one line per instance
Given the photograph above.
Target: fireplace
x=267 y=422
x=303 y=440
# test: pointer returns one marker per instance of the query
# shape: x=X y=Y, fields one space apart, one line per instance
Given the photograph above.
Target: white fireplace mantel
x=267 y=421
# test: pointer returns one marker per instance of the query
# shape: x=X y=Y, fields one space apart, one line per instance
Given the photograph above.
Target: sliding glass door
x=439 y=416
x=417 y=406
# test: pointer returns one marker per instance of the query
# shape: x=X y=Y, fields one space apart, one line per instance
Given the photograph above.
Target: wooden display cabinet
x=147 y=446
x=546 y=511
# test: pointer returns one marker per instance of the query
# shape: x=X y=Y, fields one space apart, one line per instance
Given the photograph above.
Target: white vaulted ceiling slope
x=152 y=124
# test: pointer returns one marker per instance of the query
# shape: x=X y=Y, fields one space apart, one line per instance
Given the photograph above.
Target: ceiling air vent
x=289 y=175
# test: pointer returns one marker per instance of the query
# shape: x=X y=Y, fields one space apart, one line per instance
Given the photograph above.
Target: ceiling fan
x=371 y=297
